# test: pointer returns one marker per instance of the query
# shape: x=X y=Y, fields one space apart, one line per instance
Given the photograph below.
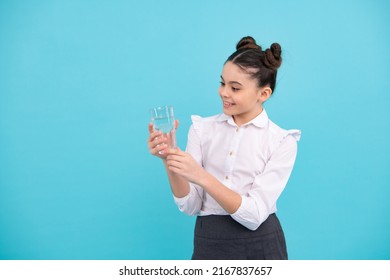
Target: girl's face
x=241 y=96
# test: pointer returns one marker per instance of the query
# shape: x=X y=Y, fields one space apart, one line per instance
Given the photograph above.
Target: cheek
x=220 y=90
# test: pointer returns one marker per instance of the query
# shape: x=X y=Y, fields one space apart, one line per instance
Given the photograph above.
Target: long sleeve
x=260 y=201
x=191 y=204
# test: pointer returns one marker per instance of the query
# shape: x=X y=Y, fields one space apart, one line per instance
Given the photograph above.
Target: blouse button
x=231 y=153
x=227 y=177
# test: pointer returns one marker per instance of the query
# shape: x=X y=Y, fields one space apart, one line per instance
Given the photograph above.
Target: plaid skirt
x=222 y=238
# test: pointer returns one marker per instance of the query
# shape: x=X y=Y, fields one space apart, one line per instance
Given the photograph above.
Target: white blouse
x=255 y=160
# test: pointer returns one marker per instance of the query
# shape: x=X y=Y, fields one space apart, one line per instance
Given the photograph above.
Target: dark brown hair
x=261 y=65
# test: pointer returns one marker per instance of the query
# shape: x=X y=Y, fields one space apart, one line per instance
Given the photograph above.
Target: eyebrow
x=232 y=82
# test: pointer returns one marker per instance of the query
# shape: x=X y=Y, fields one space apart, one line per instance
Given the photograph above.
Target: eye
x=234 y=89
x=222 y=84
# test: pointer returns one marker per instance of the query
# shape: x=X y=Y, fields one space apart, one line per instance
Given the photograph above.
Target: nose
x=222 y=91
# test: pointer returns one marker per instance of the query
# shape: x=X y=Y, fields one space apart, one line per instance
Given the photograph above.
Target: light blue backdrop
x=77 y=79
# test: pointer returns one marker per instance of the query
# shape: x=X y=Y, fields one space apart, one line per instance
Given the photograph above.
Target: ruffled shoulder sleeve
x=295 y=133
x=202 y=127
x=280 y=135
x=197 y=125
x=284 y=136
x=197 y=121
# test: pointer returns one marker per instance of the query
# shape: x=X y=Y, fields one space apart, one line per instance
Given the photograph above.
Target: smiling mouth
x=227 y=104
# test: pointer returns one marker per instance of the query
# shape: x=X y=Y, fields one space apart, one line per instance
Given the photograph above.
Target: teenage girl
x=236 y=163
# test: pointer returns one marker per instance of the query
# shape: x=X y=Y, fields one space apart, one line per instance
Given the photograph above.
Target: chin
x=227 y=112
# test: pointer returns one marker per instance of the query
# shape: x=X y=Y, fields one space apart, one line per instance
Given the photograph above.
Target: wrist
x=205 y=179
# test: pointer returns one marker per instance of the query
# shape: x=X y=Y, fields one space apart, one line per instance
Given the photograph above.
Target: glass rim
x=161 y=107
x=166 y=109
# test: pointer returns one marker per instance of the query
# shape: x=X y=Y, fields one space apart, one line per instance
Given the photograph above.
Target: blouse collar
x=260 y=121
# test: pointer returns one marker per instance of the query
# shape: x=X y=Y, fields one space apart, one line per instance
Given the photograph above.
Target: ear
x=264 y=94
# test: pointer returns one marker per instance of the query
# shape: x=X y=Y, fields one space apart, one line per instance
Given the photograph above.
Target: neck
x=242 y=119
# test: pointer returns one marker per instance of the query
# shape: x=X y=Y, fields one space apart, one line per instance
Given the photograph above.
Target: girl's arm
x=158 y=147
x=183 y=165
x=179 y=185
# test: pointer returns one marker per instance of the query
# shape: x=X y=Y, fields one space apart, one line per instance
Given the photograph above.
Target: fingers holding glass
x=157 y=143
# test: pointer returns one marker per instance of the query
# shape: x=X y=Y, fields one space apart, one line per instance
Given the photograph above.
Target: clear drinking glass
x=163 y=120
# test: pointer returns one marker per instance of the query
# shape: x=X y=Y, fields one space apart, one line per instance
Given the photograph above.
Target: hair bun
x=247 y=43
x=273 y=57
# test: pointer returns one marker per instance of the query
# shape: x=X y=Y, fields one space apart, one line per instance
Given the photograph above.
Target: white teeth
x=227 y=104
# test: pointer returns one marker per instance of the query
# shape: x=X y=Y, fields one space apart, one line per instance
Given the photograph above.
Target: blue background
x=77 y=79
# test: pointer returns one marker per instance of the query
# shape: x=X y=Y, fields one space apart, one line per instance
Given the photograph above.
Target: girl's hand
x=185 y=165
x=157 y=142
